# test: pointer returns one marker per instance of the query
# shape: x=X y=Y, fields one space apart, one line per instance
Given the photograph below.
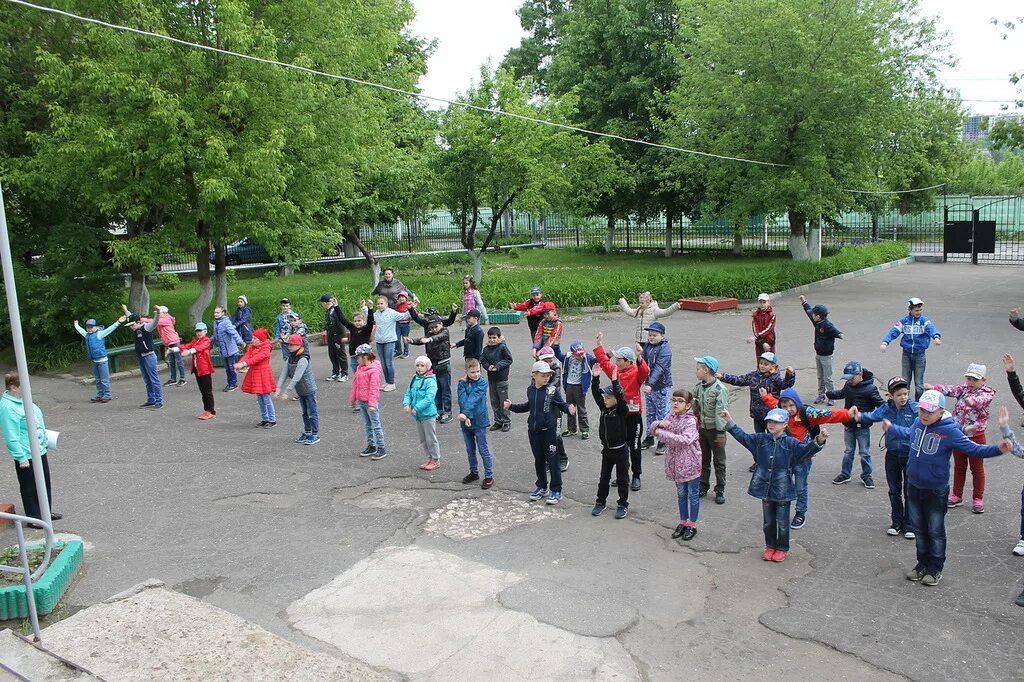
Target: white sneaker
x=909 y=535
x=1019 y=549
x=388 y=388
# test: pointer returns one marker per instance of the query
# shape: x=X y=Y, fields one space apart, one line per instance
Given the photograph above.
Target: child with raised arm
x=646 y=312
x=710 y=399
x=633 y=372
x=683 y=460
x=496 y=358
x=472 y=391
x=657 y=353
x=471 y=298
x=918 y=333
x=365 y=397
x=549 y=332
x=1018 y=394
x=825 y=335
x=762 y=325
x=419 y=402
x=172 y=348
x=96 y=347
x=577 y=376
x=611 y=429
x=228 y=341
x=776 y=456
x=439 y=351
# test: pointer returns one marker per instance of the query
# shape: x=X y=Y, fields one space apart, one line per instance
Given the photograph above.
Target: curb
x=48 y=589
x=841 y=278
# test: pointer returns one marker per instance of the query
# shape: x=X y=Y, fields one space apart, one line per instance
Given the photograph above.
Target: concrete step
x=20 y=659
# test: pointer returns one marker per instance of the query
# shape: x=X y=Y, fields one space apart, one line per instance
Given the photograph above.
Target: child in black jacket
x=473 y=343
x=496 y=358
x=859 y=391
x=438 y=349
x=614 y=452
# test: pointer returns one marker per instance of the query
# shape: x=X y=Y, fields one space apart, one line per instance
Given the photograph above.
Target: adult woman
x=15 y=429
x=646 y=312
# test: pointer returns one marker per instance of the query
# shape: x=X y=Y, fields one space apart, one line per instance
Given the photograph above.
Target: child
x=577 y=370
x=825 y=335
x=259 y=379
x=973 y=398
x=419 y=402
x=773 y=482
x=364 y=396
x=439 y=352
x=765 y=376
x=14 y=425
x=403 y=305
x=683 y=460
x=860 y=391
x=96 y=347
x=145 y=351
x=762 y=324
x=228 y=342
x=1018 y=451
x=298 y=372
x=804 y=424
x=242 y=319
x=902 y=411
x=614 y=434
x=471 y=299
x=645 y=313
x=918 y=333
x=473 y=342
x=542 y=427
x=337 y=337
x=933 y=436
x=281 y=326
x=657 y=353
x=497 y=358
x=633 y=372
x=549 y=333
x=534 y=309
x=1018 y=394
x=172 y=348
x=710 y=399
x=360 y=331
x=202 y=367
x=473 y=415
x=547 y=354
x=386 y=321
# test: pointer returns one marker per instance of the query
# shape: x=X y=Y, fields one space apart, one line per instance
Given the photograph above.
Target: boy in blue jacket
x=933 y=437
x=918 y=333
x=474 y=419
x=825 y=335
x=542 y=399
x=577 y=373
x=899 y=409
x=228 y=340
x=95 y=345
x=657 y=353
x=776 y=456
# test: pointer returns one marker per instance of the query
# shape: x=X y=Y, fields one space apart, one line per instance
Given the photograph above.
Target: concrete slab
x=23 y=660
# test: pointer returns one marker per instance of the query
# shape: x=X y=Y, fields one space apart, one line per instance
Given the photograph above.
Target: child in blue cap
x=95 y=345
x=657 y=352
x=577 y=373
x=825 y=335
x=710 y=398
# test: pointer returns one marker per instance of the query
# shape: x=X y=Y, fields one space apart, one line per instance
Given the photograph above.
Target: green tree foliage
x=981 y=175
x=531 y=58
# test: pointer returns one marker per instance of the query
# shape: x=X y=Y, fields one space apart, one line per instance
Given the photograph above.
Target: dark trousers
x=27 y=483
x=895 y=477
x=760 y=425
x=338 y=354
x=574 y=395
x=776 y=524
x=443 y=397
x=205 y=384
x=498 y=392
x=533 y=321
x=1022 y=513
x=634 y=425
x=712 y=448
x=619 y=459
x=545 y=456
x=927 y=511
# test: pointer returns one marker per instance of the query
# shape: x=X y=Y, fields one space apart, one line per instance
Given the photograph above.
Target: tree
x=1005 y=133
x=531 y=58
x=818 y=87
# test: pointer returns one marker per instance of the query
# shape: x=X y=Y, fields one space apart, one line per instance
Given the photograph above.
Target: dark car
x=246 y=250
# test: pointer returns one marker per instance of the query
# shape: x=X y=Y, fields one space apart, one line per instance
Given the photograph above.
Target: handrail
x=29 y=576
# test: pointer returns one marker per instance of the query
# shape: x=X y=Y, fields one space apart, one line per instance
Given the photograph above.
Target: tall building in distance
x=977 y=127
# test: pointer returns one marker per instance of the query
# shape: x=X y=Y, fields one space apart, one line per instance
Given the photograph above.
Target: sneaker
x=181 y=382
x=471 y=477
x=689 y=533
x=915 y=575
x=487 y=483
x=505 y=428
x=702 y=493
x=103 y=400
x=584 y=435
x=170 y=382
x=495 y=427
x=554 y=498
x=228 y=389
x=635 y=484
x=333 y=377
x=660 y=449
x=368 y=450
x=270 y=425
x=768 y=553
x=563 y=463
x=342 y=378
x=567 y=433
x=355 y=410
x=954 y=501
x=751 y=468
x=893 y=531
x=206 y=415
x=678 y=532
x=840 y=479
x=444 y=418
x=95 y=399
x=146 y=404
x=779 y=556
x=313 y=439
x=262 y=423
x=387 y=388
x=799 y=520
x=909 y=534
x=931 y=580
x=979 y=506
x=302 y=438
x=598 y=509
x=156 y=406
x=620 y=512
x=405 y=355
x=647 y=442
x=379 y=455
x=295 y=397
x=432 y=464
x=1018 y=549
x=719 y=498
x=538 y=493
x=868 y=482
x=820 y=400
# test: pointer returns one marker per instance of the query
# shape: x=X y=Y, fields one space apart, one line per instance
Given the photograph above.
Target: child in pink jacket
x=172 y=348
x=682 y=460
x=365 y=394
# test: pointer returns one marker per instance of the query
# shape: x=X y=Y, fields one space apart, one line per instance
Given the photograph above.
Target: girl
x=242 y=319
x=646 y=312
x=419 y=402
x=298 y=372
x=762 y=324
x=402 y=305
x=386 y=322
x=259 y=380
x=202 y=367
x=682 y=460
x=172 y=348
x=471 y=299
x=364 y=396
x=15 y=429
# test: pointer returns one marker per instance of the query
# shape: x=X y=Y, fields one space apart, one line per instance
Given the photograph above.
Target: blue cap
x=777 y=415
x=711 y=362
x=536 y=290
x=655 y=327
x=852 y=368
x=608 y=390
x=91 y=322
x=821 y=310
x=770 y=357
x=201 y=326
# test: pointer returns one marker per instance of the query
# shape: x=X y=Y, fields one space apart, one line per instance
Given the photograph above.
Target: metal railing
x=28 y=576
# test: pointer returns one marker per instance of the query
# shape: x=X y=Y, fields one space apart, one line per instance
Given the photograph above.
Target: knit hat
x=261 y=334
x=244 y=299
x=296 y=340
x=424 y=359
x=625 y=353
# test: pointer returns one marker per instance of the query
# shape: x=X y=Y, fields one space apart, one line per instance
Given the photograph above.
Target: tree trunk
x=221 y=277
x=814 y=241
x=375 y=272
x=138 y=294
x=737 y=240
x=797 y=236
x=202 y=302
x=506 y=225
x=478 y=265
x=874 y=227
x=668 y=233
x=609 y=235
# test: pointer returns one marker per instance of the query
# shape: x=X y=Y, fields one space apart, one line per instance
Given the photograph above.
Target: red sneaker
x=768 y=554
x=205 y=415
x=426 y=465
x=431 y=465
x=779 y=556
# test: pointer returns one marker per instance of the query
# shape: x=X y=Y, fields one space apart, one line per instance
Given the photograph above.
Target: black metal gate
x=988 y=234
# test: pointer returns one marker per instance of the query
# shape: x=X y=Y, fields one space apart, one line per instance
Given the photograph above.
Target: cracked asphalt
x=251 y=522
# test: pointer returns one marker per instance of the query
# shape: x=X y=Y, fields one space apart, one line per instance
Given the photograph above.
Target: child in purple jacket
x=682 y=460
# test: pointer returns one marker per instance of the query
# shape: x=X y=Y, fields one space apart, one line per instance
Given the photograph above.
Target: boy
x=825 y=335
x=336 y=338
x=472 y=343
x=902 y=411
x=549 y=332
x=657 y=353
x=228 y=341
x=762 y=325
x=281 y=326
x=611 y=403
x=547 y=354
x=533 y=307
x=766 y=376
x=145 y=351
x=576 y=380
x=542 y=424
x=632 y=372
x=710 y=399
x=298 y=373
x=497 y=358
x=96 y=347
x=439 y=350
x=918 y=333
x=360 y=331
x=860 y=391
x=933 y=436
x=474 y=419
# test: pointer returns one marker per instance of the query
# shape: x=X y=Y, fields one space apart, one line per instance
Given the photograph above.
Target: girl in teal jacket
x=16 y=438
x=419 y=402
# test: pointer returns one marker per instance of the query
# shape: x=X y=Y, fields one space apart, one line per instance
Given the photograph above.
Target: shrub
x=168 y=281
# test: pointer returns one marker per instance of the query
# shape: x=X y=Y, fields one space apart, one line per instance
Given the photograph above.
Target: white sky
x=469 y=32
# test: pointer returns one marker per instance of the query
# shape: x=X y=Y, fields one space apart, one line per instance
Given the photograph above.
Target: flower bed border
x=49 y=588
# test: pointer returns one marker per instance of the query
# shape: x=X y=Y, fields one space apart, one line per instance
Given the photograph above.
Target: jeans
x=205 y=384
x=823 y=365
x=371 y=424
x=386 y=353
x=284 y=352
x=101 y=373
x=402 y=328
x=857 y=439
x=689 y=502
x=776 y=524
x=229 y=370
x=443 y=398
x=310 y=417
x=657 y=406
x=427 y=431
x=977 y=464
x=175 y=363
x=574 y=395
x=154 y=391
x=476 y=439
x=267 y=411
x=353 y=364
x=545 y=456
x=498 y=392
x=1022 y=513
x=617 y=458
x=712 y=448
x=927 y=511
x=802 y=471
x=895 y=477
x=913 y=371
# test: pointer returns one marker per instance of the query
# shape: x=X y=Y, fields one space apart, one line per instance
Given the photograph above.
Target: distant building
x=977 y=127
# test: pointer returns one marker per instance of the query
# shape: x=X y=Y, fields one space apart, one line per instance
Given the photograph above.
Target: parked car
x=246 y=250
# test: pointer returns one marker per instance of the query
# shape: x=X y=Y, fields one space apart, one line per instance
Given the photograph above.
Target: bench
x=512 y=317
x=114 y=354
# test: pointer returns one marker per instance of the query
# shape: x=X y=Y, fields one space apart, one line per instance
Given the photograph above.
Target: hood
x=868 y=375
x=791 y=394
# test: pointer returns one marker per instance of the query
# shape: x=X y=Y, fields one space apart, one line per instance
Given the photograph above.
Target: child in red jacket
x=202 y=366
x=633 y=372
x=259 y=379
x=762 y=324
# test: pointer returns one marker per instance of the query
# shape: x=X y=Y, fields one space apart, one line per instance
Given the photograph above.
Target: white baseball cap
x=764 y=297
x=975 y=371
x=915 y=301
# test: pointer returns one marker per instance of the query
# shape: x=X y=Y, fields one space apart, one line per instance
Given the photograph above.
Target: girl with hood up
x=259 y=380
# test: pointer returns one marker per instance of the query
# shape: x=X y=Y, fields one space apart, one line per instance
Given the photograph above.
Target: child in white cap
x=762 y=325
x=918 y=333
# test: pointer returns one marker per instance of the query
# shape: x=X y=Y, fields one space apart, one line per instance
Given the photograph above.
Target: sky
x=469 y=32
